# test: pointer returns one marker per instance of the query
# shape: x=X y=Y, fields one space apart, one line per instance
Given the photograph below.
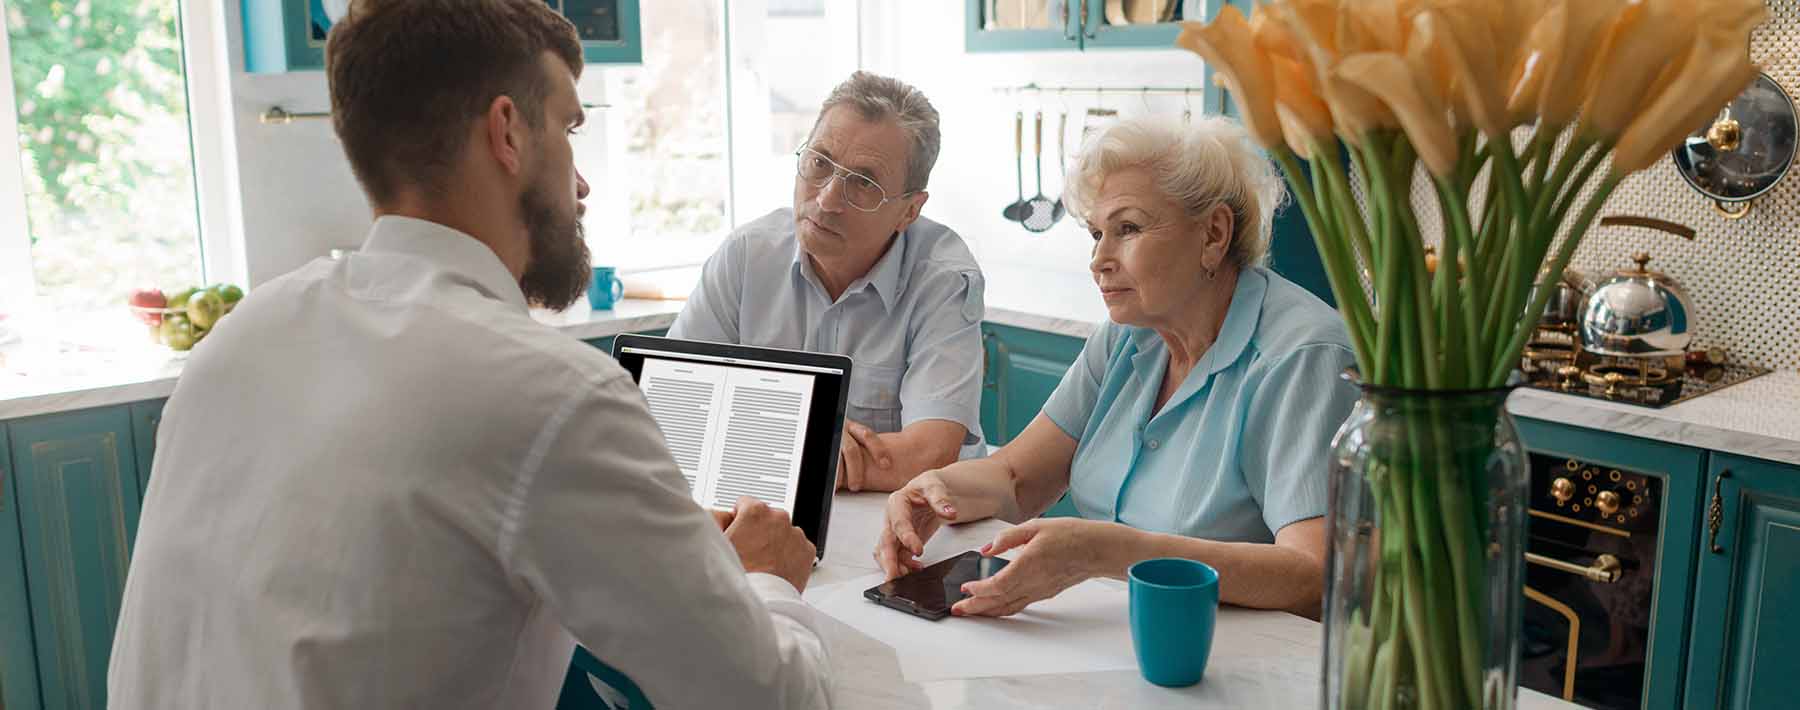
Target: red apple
x=149 y=298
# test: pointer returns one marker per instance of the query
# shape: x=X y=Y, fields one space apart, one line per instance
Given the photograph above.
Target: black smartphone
x=930 y=592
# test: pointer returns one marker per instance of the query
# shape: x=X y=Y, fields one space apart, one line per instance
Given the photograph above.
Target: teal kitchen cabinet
x=1746 y=632
x=1072 y=25
x=76 y=475
x=18 y=659
x=1680 y=470
x=289 y=35
x=146 y=418
x=1022 y=367
x=1021 y=25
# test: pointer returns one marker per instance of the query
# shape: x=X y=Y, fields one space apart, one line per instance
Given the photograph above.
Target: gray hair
x=1200 y=166
x=877 y=98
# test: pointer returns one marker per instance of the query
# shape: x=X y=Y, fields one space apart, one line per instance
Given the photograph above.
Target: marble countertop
x=1759 y=418
x=1260 y=659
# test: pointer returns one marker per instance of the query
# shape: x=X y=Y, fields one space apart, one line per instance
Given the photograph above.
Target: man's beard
x=558 y=271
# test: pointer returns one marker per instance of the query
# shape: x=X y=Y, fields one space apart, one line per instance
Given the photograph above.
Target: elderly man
x=853 y=269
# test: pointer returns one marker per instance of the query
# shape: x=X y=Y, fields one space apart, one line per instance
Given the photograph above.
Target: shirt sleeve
x=1071 y=405
x=943 y=373
x=601 y=529
x=711 y=313
x=1286 y=446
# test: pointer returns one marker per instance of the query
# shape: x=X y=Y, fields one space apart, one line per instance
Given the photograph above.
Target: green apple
x=204 y=308
x=178 y=300
x=230 y=293
x=178 y=333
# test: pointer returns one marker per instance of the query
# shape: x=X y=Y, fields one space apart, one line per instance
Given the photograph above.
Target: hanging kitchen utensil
x=1040 y=216
x=1097 y=118
x=1018 y=210
x=1744 y=151
x=1187 y=107
x=1062 y=166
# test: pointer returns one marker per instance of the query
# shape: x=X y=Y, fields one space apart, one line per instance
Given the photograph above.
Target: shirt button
x=1153 y=444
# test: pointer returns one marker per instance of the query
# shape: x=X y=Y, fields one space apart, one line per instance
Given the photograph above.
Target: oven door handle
x=1605 y=570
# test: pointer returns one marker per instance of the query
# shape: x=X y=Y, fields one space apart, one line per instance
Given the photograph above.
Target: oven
x=1591 y=557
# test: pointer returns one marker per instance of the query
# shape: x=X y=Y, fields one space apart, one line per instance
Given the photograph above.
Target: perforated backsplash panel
x=1743 y=275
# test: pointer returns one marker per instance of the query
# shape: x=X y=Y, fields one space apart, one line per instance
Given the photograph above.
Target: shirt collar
x=1241 y=318
x=448 y=249
x=887 y=276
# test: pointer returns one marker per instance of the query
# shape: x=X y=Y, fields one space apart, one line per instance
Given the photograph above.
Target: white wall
x=921 y=42
x=297 y=196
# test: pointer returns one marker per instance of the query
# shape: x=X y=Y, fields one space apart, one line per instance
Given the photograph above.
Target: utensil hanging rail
x=1102 y=90
x=278 y=116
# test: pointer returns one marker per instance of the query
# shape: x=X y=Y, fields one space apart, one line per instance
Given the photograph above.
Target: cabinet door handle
x=997 y=366
x=1715 y=513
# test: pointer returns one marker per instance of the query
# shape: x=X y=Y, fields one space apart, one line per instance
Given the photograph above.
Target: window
x=656 y=156
x=100 y=199
x=785 y=61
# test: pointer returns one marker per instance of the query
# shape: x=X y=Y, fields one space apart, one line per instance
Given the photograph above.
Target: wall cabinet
x=1076 y=25
x=1746 y=634
x=78 y=498
x=289 y=35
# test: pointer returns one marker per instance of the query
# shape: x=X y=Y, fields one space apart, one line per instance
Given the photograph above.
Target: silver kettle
x=1638 y=313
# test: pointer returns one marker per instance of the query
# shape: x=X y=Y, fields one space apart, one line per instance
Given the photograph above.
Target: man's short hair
x=878 y=98
x=407 y=76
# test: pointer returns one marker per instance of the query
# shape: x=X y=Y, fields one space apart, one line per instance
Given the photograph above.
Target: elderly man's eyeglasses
x=860 y=191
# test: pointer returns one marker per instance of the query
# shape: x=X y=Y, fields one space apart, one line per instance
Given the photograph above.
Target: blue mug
x=604 y=289
x=1174 y=602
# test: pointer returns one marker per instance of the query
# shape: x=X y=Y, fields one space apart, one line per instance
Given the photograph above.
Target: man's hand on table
x=767 y=541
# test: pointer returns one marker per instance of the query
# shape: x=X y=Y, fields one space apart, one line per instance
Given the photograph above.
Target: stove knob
x=1562 y=489
x=1607 y=502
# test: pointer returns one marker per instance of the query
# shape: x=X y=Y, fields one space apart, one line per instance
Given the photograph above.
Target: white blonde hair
x=1199 y=166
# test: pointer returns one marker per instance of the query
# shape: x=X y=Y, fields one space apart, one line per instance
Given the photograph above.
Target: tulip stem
x=1508 y=357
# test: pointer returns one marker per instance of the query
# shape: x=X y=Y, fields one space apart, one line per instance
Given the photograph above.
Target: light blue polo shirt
x=912 y=325
x=1241 y=448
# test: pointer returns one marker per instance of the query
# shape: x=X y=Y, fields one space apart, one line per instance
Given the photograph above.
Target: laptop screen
x=740 y=426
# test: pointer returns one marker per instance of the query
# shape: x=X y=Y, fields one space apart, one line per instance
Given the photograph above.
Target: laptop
x=747 y=421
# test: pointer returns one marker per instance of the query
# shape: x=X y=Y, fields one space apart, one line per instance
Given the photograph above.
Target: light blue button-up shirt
x=912 y=325
x=1240 y=449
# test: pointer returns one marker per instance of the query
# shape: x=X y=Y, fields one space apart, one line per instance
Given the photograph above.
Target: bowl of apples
x=181 y=319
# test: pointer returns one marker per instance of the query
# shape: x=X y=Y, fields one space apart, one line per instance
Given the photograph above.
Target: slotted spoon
x=1042 y=211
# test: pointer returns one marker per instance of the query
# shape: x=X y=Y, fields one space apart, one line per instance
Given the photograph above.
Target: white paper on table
x=1084 y=629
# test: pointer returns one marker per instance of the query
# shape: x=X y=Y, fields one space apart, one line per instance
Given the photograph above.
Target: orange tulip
x=1387 y=76
x=1714 y=71
x=1527 y=79
x=1474 y=63
x=1226 y=45
x=1644 y=39
x=1568 y=69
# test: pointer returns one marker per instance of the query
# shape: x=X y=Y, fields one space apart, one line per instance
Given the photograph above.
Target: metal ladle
x=1019 y=209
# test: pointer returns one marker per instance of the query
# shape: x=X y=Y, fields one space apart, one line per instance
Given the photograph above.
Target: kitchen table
x=1260 y=659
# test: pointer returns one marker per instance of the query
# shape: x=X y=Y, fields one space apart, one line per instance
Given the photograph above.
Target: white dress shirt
x=380 y=484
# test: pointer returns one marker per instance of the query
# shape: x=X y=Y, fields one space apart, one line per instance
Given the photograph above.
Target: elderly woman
x=1196 y=423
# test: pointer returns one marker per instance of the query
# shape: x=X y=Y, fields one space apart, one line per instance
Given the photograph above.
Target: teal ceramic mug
x=604 y=289
x=1173 y=605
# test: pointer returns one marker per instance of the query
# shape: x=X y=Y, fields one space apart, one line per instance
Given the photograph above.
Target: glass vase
x=1426 y=558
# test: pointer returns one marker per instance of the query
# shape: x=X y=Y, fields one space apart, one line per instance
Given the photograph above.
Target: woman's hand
x=1054 y=554
x=914 y=512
